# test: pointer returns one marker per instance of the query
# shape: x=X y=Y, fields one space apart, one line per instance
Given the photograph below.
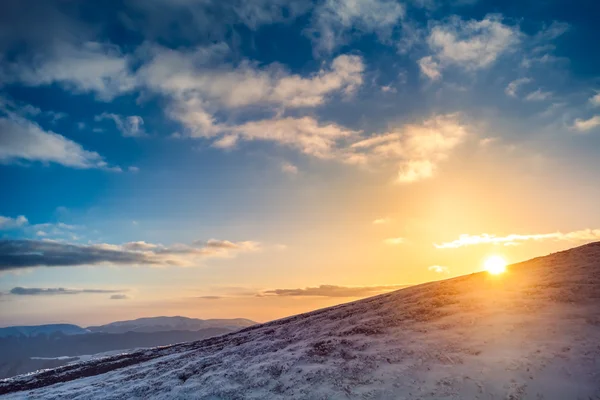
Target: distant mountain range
x=25 y=349
x=152 y=324
x=31 y=331
x=161 y=324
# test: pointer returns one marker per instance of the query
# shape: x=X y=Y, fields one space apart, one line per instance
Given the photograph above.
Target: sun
x=495 y=265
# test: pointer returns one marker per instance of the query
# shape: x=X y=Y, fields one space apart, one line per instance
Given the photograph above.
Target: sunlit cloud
x=595 y=100
x=584 y=125
x=289 y=168
x=333 y=291
x=439 y=269
x=470 y=45
x=515 y=239
x=394 y=241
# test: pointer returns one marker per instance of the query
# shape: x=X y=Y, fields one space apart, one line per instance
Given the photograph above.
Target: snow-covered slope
x=35 y=330
x=160 y=324
x=532 y=333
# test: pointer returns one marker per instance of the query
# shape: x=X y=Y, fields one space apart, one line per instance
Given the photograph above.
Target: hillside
x=37 y=330
x=531 y=333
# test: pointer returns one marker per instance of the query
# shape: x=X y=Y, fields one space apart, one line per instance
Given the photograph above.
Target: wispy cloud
x=538 y=95
x=595 y=100
x=470 y=45
x=333 y=291
x=514 y=239
x=17 y=253
x=439 y=269
x=584 y=125
x=130 y=126
x=335 y=21
x=23 y=291
x=289 y=168
x=11 y=223
x=394 y=241
x=120 y=297
x=513 y=87
x=417 y=149
x=24 y=140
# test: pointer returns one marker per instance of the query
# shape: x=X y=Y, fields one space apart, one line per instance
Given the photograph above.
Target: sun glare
x=495 y=265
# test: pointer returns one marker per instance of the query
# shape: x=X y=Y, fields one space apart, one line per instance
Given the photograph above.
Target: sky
x=258 y=159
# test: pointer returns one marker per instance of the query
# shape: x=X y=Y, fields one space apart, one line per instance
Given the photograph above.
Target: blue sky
x=175 y=150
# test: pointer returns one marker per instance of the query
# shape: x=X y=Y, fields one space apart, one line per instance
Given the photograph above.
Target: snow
x=531 y=333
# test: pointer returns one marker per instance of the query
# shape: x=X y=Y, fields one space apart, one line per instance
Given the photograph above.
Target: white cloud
x=538 y=95
x=334 y=21
x=417 y=149
x=584 y=125
x=198 y=90
x=289 y=168
x=11 y=223
x=430 y=68
x=133 y=169
x=595 y=100
x=305 y=134
x=512 y=87
x=439 y=269
x=87 y=67
x=394 y=241
x=130 y=126
x=514 y=239
x=21 y=139
x=470 y=45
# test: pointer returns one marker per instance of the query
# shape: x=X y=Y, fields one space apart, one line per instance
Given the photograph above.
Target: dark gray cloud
x=15 y=254
x=21 y=253
x=22 y=291
x=334 y=291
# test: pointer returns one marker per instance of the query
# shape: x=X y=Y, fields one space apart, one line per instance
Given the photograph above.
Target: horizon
x=263 y=159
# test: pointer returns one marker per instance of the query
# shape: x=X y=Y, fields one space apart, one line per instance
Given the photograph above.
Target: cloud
x=382 y=221
x=216 y=19
x=595 y=100
x=430 y=68
x=538 y=95
x=394 y=241
x=416 y=149
x=12 y=223
x=304 y=134
x=335 y=21
x=22 y=291
x=131 y=126
x=289 y=168
x=133 y=169
x=120 y=297
x=584 y=125
x=512 y=87
x=515 y=239
x=198 y=90
x=18 y=253
x=439 y=269
x=333 y=291
x=88 y=67
x=209 y=297
x=470 y=45
x=23 y=140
